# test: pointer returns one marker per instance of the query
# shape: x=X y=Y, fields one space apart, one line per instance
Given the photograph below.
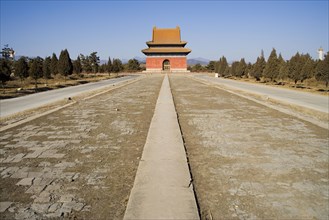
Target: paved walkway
x=303 y=99
x=15 y=105
x=162 y=188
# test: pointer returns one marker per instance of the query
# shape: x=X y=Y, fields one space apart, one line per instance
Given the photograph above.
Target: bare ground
x=79 y=162
x=248 y=160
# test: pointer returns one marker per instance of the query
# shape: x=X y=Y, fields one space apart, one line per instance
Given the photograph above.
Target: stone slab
x=4 y=206
x=25 y=182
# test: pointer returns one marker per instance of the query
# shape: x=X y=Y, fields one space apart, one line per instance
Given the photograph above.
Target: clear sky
x=120 y=29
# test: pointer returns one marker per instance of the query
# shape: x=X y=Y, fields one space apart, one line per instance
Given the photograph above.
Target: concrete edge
x=311 y=115
x=91 y=95
x=191 y=185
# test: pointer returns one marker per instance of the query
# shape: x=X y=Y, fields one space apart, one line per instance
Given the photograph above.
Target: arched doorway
x=166 y=65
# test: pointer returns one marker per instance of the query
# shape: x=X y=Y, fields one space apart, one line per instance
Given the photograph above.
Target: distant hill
x=198 y=60
x=124 y=60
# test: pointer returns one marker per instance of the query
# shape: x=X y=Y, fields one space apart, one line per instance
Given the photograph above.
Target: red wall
x=156 y=62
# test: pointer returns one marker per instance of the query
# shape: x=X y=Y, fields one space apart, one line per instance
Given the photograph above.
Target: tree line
x=298 y=68
x=50 y=66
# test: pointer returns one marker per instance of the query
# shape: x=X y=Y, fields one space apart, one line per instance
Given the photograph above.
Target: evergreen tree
x=217 y=66
x=271 y=70
x=234 y=67
x=102 y=68
x=36 y=70
x=257 y=70
x=21 y=69
x=77 y=68
x=295 y=67
x=281 y=60
x=54 y=65
x=222 y=65
x=109 y=66
x=5 y=71
x=283 y=70
x=211 y=66
x=94 y=61
x=241 y=68
x=322 y=70
x=133 y=65
x=85 y=62
x=65 y=66
x=227 y=70
x=47 y=68
x=308 y=68
x=197 y=68
x=248 y=70
x=117 y=65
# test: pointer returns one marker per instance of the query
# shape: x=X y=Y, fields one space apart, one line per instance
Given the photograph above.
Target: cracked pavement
x=249 y=161
x=78 y=162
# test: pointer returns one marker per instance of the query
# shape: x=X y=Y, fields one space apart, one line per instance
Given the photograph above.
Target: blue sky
x=120 y=29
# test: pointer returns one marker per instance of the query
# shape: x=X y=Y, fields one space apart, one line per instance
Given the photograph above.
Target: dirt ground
x=79 y=162
x=16 y=88
x=309 y=85
x=248 y=160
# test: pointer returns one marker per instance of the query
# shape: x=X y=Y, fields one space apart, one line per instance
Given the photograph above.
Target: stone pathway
x=79 y=162
x=162 y=188
x=249 y=161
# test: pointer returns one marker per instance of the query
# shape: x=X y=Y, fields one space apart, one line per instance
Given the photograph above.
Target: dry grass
x=16 y=88
x=309 y=85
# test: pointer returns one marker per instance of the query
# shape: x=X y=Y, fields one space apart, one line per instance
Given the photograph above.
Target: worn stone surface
x=79 y=162
x=25 y=182
x=4 y=206
x=249 y=161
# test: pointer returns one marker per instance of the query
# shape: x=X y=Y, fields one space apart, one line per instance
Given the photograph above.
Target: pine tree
x=295 y=67
x=322 y=70
x=47 y=68
x=271 y=70
x=65 y=66
x=36 y=70
x=234 y=67
x=283 y=70
x=241 y=68
x=308 y=68
x=281 y=60
x=227 y=70
x=53 y=65
x=248 y=70
x=211 y=66
x=117 y=65
x=21 y=69
x=77 y=68
x=109 y=66
x=94 y=61
x=133 y=65
x=222 y=65
x=85 y=62
x=5 y=71
x=217 y=65
x=257 y=70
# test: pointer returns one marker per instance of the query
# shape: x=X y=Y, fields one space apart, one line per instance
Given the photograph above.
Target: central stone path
x=162 y=187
